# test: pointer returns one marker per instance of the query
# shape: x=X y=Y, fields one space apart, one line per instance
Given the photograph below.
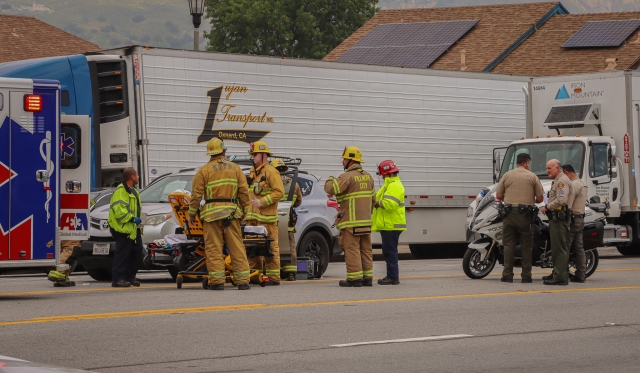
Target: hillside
x=167 y=23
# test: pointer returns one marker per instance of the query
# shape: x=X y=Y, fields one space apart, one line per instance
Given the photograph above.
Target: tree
x=290 y=28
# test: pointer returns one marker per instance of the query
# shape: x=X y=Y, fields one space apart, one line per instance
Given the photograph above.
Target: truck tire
x=628 y=250
x=99 y=274
x=419 y=251
x=314 y=245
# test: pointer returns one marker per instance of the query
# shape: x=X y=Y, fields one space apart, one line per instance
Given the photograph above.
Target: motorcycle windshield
x=567 y=152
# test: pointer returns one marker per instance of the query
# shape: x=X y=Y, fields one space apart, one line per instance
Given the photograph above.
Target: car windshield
x=103 y=199
x=570 y=152
x=160 y=190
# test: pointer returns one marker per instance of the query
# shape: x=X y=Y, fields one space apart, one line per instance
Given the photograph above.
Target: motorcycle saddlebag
x=593 y=235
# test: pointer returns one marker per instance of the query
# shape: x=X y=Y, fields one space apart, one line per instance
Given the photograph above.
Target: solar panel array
x=602 y=34
x=407 y=44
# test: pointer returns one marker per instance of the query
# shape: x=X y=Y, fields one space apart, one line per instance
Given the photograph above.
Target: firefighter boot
x=244 y=287
x=216 y=286
x=55 y=276
x=291 y=276
x=64 y=283
x=367 y=281
x=350 y=284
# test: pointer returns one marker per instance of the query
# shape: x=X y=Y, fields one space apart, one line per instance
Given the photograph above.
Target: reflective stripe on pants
x=358 y=254
x=215 y=239
x=271 y=263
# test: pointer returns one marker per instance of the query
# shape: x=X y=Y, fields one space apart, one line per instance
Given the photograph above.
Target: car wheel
x=99 y=274
x=314 y=246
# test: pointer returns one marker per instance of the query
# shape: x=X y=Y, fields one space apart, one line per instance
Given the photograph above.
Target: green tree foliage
x=291 y=28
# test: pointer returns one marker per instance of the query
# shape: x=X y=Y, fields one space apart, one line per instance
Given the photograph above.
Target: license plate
x=101 y=248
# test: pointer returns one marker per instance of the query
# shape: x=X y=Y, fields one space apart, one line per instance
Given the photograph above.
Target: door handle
x=302 y=211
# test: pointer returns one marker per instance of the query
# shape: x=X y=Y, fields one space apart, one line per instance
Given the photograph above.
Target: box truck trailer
x=154 y=109
x=591 y=122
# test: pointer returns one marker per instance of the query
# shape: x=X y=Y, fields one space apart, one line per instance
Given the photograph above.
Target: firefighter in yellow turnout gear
x=291 y=268
x=226 y=196
x=265 y=191
x=355 y=192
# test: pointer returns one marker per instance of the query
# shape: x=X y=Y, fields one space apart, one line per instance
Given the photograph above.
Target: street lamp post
x=197 y=10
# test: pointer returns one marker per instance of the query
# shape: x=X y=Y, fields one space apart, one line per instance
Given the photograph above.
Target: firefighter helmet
x=259 y=147
x=279 y=165
x=387 y=167
x=215 y=146
x=353 y=153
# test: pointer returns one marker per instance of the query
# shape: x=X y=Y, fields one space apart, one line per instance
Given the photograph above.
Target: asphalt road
x=436 y=320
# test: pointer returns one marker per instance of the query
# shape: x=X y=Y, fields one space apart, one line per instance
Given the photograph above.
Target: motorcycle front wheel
x=476 y=269
x=592 y=261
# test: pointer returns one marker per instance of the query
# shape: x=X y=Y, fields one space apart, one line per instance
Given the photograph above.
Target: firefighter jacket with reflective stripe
x=267 y=187
x=354 y=190
x=223 y=181
x=390 y=215
x=295 y=202
x=124 y=207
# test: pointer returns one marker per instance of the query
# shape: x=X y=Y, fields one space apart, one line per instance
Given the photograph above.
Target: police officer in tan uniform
x=560 y=197
x=226 y=195
x=355 y=192
x=520 y=190
x=576 y=228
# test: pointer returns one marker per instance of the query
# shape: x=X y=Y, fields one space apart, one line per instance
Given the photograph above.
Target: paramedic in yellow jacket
x=226 y=196
x=291 y=268
x=265 y=191
x=355 y=192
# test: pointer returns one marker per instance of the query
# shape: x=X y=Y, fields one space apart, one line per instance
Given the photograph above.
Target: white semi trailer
x=437 y=126
x=591 y=122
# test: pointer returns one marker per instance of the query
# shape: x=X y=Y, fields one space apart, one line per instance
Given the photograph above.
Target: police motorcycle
x=483 y=253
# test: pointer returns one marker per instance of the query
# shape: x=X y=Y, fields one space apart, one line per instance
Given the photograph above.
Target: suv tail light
x=334 y=204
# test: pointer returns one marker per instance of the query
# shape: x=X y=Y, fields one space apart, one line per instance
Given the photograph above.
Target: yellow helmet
x=215 y=146
x=259 y=147
x=353 y=153
x=279 y=165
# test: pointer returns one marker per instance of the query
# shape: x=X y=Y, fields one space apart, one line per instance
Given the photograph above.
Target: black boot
x=555 y=281
x=120 y=284
x=579 y=279
x=506 y=279
x=135 y=282
x=388 y=281
x=244 y=287
x=367 y=281
x=350 y=284
x=548 y=277
x=216 y=287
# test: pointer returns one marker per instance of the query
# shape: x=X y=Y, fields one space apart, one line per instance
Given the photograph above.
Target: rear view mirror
x=594 y=199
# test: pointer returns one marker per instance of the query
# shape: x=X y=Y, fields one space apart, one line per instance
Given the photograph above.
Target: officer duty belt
x=231 y=200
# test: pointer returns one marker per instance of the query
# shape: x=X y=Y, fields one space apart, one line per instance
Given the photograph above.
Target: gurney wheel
x=179 y=282
x=205 y=283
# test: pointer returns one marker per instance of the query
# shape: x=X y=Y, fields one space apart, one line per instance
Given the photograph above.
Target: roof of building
x=500 y=30
x=23 y=38
x=542 y=53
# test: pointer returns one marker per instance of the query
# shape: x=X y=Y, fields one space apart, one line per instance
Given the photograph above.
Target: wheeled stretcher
x=191 y=255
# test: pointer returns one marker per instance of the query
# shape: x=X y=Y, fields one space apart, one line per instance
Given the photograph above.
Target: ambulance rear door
x=75 y=173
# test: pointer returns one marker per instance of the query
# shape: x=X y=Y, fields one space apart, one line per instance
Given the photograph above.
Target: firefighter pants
x=575 y=244
x=270 y=263
x=127 y=258
x=65 y=252
x=358 y=254
x=215 y=238
x=293 y=265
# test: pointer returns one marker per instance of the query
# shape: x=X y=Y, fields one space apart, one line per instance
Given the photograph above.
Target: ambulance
x=44 y=174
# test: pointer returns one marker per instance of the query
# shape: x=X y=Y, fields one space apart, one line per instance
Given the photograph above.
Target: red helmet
x=387 y=167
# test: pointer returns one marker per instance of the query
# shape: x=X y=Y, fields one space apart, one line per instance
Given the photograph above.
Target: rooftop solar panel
x=602 y=34
x=407 y=44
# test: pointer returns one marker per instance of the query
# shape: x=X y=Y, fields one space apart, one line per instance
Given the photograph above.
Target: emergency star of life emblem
x=66 y=146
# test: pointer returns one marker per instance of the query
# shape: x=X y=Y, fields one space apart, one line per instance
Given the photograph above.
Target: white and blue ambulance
x=44 y=174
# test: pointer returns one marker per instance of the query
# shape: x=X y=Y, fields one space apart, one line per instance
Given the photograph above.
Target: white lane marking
x=434 y=338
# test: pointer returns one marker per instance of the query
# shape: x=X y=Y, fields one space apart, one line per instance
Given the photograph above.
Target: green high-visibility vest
x=390 y=216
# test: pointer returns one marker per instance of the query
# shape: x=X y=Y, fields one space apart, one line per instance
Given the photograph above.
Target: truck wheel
x=313 y=245
x=593 y=258
x=419 y=251
x=628 y=250
x=99 y=274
